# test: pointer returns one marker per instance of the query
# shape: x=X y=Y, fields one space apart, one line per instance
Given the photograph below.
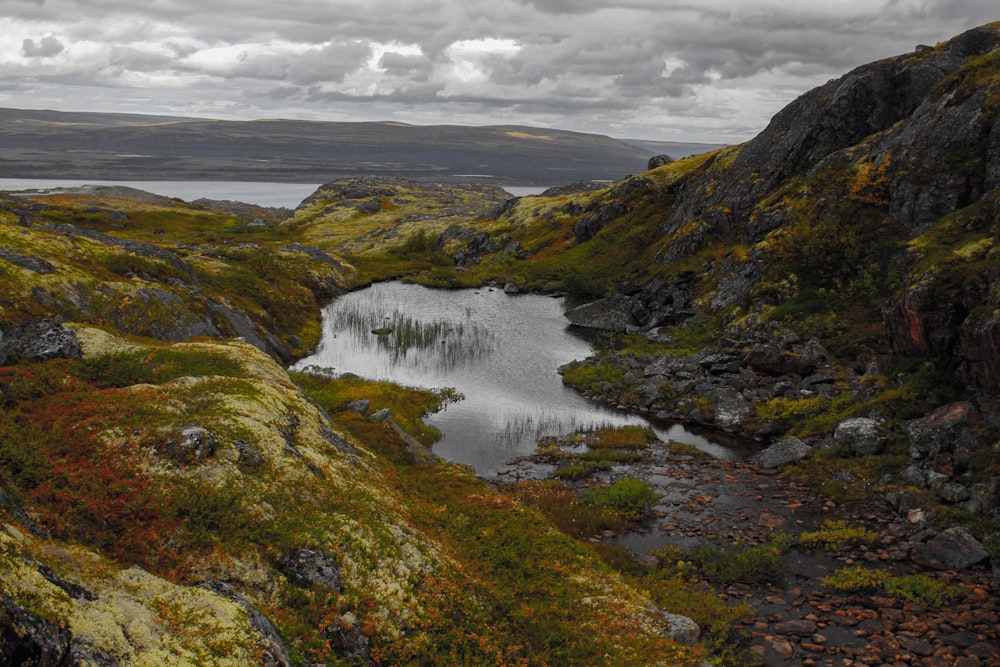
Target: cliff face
x=875 y=191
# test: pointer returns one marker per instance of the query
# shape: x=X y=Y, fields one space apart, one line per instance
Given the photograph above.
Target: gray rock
x=189 y=444
x=511 y=288
x=587 y=228
x=859 y=435
x=383 y=415
x=27 y=639
x=612 y=314
x=903 y=500
x=362 y=405
x=781 y=453
x=940 y=430
x=954 y=549
x=34 y=264
x=682 y=630
x=914 y=476
x=248 y=454
x=309 y=567
x=731 y=409
x=658 y=161
x=38 y=340
x=953 y=492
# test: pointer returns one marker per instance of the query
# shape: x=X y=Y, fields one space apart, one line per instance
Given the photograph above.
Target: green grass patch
x=837 y=536
x=152 y=365
x=629 y=497
x=915 y=589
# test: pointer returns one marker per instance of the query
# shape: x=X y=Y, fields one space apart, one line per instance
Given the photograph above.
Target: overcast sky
x=676 y=70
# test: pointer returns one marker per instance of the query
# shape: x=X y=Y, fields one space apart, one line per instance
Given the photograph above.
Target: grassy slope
x=437 y=567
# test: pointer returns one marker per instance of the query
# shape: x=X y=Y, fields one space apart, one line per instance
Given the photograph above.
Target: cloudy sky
x=676 y=70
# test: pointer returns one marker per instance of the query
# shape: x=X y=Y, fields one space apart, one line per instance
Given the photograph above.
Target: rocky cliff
x=842 y=264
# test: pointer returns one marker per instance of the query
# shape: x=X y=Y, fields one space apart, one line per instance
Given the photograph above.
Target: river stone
x=859 y=435
x=954 y=549
x=781 y=453
x=309 y=567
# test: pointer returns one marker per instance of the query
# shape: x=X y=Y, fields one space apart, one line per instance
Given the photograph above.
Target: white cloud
x=657 y=68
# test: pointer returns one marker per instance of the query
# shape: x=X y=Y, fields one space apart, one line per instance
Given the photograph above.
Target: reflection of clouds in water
x=500 y=352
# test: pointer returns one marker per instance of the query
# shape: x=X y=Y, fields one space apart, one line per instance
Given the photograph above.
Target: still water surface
x=278 y=195
x=501 y=352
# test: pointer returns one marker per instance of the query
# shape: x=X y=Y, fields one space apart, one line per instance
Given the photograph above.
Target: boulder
x=189 y=444
x=682 y=629
x=38 y=340
x=612 y=314
x=954 y=549
x=859 y=435
x=383 y=415
x=731 y=409
x=781 y=453
x=658 y=161
x=941 y=430
x=362 y=405
x=309 y=567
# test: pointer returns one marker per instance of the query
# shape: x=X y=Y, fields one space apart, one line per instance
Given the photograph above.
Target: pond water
x=501 y=352
x=280 y=195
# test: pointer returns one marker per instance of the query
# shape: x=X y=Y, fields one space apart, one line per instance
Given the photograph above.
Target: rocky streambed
x=797 y=619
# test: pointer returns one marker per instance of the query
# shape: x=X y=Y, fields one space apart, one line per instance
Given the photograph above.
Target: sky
x=669 y=70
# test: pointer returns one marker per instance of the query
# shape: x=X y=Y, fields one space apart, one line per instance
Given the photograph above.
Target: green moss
x=837 y=535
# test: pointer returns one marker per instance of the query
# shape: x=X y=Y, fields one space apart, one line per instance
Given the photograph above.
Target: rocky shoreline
x=797 y=620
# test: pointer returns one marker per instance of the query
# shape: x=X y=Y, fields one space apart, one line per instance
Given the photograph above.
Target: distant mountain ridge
x=53 y=144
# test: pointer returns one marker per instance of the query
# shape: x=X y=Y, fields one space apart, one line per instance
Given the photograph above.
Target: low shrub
x=629 y=497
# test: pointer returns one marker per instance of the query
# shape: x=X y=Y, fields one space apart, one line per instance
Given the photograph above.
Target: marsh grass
x=447 y=344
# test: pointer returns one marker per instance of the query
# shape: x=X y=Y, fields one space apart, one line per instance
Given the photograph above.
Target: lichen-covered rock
x=310 y=567
x=860 y=435
x=682 y=629
x=38 y=340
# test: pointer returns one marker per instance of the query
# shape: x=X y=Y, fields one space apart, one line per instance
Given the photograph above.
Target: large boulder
x=781 y=453
x=954 y=549
x=310 y=567
x=38 y=340
x=616 y=313
x=860 y=435
x=942 y=430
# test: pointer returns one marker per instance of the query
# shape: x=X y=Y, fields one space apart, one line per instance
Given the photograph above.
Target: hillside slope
x=47 y=144
x=842 y=265
x=170 y=495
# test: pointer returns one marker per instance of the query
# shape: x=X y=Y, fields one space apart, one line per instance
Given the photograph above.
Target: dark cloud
x=46 y=47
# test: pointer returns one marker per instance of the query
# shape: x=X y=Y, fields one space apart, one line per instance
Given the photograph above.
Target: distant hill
x=52 y=144
x=675 y=149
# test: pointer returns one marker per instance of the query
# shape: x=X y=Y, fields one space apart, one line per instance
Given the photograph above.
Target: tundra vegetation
x=162 y=488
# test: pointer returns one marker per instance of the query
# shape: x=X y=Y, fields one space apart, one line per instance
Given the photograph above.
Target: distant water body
x=279 y=195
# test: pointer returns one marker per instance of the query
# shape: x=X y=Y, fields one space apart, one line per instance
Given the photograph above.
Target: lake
x=279 y=195
x=501 y=352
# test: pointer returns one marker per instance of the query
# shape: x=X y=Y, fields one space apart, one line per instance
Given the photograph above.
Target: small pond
x=500 y=351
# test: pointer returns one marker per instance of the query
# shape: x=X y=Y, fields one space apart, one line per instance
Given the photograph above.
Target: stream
x=501 y=352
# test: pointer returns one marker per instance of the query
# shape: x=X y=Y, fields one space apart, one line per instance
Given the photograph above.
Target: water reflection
x=501 y=352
